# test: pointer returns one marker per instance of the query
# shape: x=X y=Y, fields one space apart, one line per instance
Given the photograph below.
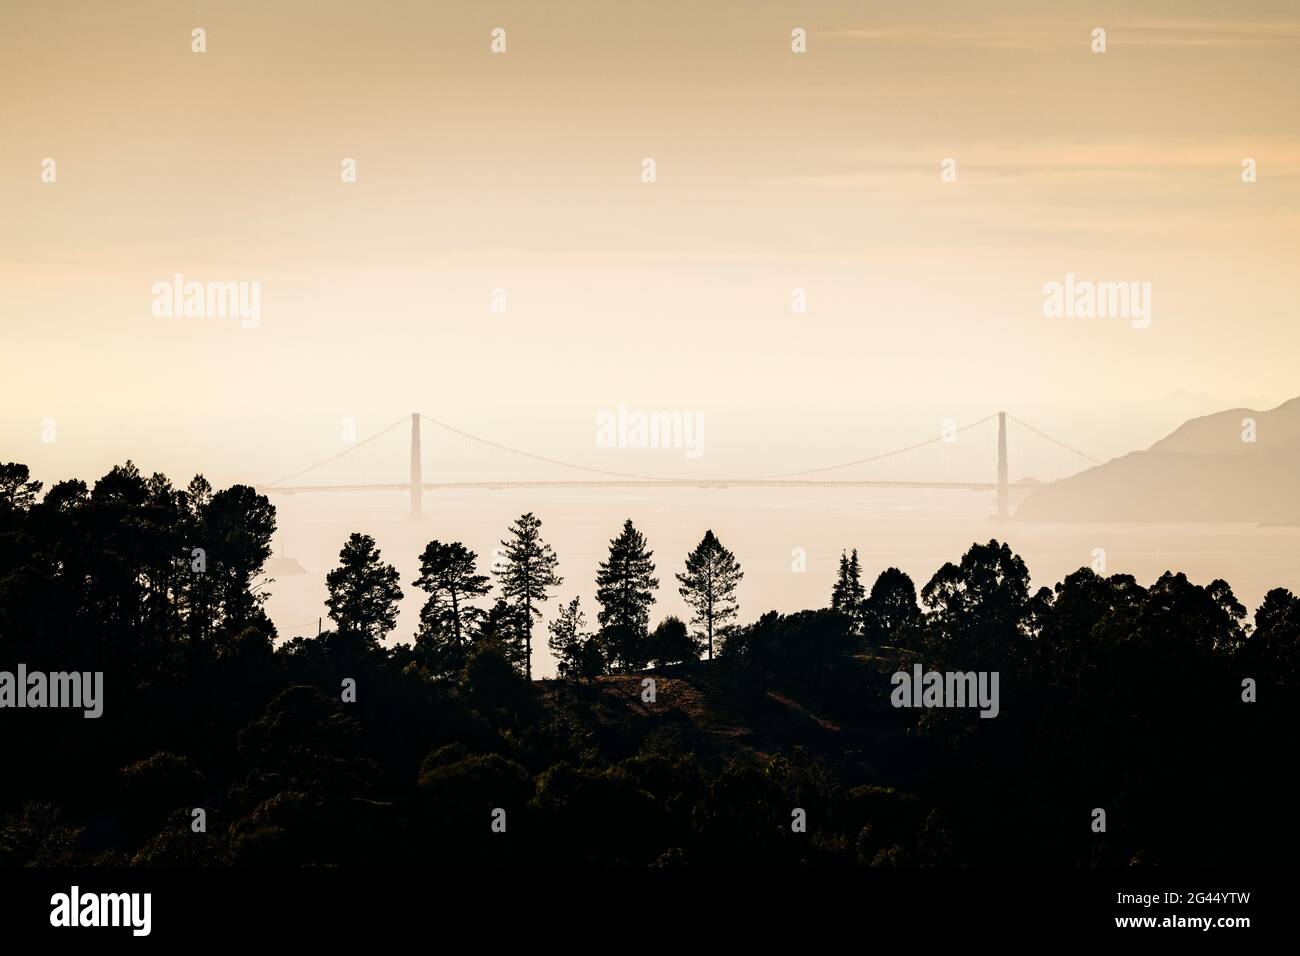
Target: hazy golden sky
x=521 y=171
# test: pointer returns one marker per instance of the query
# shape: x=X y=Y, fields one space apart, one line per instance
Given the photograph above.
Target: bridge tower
x=1003 y=512
x=417 y=474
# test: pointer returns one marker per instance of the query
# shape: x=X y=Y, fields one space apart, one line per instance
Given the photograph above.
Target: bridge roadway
x=653 y=483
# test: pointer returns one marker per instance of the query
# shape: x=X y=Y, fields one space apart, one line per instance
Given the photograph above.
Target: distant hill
x=1204 y=471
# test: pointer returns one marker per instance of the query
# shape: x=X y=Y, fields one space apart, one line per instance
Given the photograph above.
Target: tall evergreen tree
x=848 y=596
x=625 y=586
x=527 y=575
x=448 y=618
x=363 y=590
x=709 y=587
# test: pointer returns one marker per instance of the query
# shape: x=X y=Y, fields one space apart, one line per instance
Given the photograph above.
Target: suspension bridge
x=415 y=486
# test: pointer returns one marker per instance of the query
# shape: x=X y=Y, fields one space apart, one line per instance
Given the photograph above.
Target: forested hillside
x=737 y=736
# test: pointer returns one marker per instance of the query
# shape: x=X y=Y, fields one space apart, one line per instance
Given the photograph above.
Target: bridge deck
x=648 y=483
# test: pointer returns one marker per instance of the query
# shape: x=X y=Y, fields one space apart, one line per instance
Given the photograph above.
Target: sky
x=522 y=171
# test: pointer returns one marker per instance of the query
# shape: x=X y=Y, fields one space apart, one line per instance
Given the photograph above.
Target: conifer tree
x=363 y=590
x=449 y=618
x=709 y=587
x=576 y=651
x=526 y=575
x=625 y=585
x=848 y=596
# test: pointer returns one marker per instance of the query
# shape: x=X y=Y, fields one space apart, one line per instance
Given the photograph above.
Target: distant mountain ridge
x=1205 y=470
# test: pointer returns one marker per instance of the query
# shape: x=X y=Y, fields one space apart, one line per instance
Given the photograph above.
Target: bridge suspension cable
x=346 y=451
x=661 y=479
x=1054 y=441
x=543 y=458
x=883 y=455
x=621 y=474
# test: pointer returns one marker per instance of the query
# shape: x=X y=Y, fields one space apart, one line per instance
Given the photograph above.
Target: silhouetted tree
x=1068 y=635
x=848 y=596
x=527 y=577
x=363 y=590
x=1232 y=638
x=1274 y=648
x=978 y=608
x=502 y=630
x=671 y=643
x=709 y=587
x=576 y=651
x=495 y=688
x=448 y=619
x=625 y=585
x=17 y=492
x=892 y=605
x=236 y=528
x=1181 y=617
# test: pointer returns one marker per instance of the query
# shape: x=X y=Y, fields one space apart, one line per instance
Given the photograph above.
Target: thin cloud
x=1167 y=32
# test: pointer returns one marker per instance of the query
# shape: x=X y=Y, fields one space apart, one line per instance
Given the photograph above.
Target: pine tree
x=839 y=593
x=848 y=596
x=17 y=492
x=528 y=573
x=709 y=587
x=576 y=651
x=363 y=591
x=448 y=619
x=625 y=587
